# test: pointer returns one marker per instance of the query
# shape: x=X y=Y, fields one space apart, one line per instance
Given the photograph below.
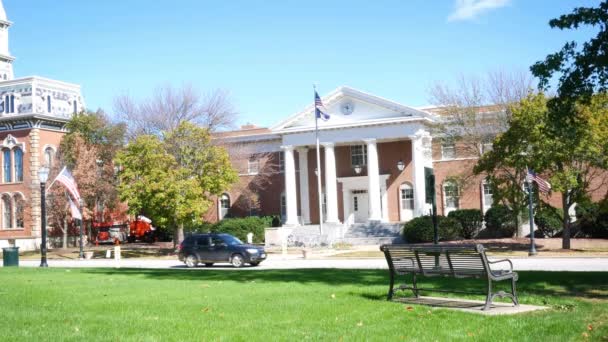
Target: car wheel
x=208 y=264
x=237 y=260
x=254 y=264
x=191 y=261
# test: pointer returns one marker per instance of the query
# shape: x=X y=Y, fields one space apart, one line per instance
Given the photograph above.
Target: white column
x=291 y=196
x=421 y=157
x=384 y=193
x=373 y=175
x=331 y=185
x=304 y=200
x=346 y=201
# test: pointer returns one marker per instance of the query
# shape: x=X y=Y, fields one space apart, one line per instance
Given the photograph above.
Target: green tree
x=173 y=180
x=513 y=151
x=570 y=156
x=582 y=71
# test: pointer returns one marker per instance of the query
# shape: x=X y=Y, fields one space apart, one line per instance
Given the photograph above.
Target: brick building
x=373 y=155
x=33 y=115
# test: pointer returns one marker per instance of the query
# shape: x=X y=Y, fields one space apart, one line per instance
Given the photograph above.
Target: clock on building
x=347 y=108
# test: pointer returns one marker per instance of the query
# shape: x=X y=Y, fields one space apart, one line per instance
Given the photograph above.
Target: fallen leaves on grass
x=409 y=308
x=333 y=296
x=205 y=310
x=590 y=327
x=360 y=324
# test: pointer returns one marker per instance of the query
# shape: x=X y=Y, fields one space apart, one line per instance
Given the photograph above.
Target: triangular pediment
x=348 y=106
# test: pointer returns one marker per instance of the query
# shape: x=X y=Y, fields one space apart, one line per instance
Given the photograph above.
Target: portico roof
x=349 y=107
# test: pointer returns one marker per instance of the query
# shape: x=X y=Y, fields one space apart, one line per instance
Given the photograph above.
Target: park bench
x=446 y=261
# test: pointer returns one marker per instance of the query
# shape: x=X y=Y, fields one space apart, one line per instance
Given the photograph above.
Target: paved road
x=293 y=262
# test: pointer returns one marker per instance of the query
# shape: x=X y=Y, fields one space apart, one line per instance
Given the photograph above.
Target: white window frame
x=486 y=203
x=253 y=166
x=222 y=211
x=402 y=201
x=355 y=152
x=447 y=198
x=448 y=150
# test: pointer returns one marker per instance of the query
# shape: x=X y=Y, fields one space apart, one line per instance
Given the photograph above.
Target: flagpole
x=319 y=189
x=531 y=213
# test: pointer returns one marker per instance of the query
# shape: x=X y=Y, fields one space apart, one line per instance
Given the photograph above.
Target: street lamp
x=81 y=255
x=43 y=176
x=530 y=188
x=401 y=165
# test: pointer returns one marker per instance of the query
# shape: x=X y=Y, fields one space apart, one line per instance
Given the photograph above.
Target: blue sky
x=269 y=53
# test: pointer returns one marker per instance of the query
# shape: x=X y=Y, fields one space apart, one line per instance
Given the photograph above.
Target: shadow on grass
x=571 y=284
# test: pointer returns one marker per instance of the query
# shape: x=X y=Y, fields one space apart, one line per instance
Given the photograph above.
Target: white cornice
x=375 y=122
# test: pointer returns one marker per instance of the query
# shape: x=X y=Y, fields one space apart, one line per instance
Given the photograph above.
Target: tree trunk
x=519 y=232
x=178 y=235
x=566 y=220
x=64 y=243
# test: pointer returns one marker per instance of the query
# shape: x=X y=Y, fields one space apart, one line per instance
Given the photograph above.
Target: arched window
x=7 y=165
x=224 y=205
x=12 y=104
x=19 y=211
x=7 y=213
x=451 y=196
x=18 y=154
x=49 y=155
x=488 y=197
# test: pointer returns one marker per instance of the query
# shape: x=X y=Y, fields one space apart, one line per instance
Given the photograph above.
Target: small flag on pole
x=543 y=185
x=65 y=178
x=76 y=214
x=320 y=109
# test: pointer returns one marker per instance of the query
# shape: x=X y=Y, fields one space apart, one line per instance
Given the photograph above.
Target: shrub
x=593 y=219
x=500 y=222
x=471 y=221
x=420 y=229
x=240 y=227
x=548 y=220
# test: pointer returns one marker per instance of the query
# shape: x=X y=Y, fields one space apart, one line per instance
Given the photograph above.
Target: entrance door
x=406 y=202
x=360 y=203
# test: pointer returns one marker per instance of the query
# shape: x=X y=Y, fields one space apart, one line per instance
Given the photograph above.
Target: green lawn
x=288 y=305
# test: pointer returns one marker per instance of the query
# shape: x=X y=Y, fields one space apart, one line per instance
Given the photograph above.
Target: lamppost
x=530 y=187
x=43 y=176
x=81 y=255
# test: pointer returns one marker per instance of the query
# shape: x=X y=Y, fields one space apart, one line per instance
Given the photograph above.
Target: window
x=7 y=213
x=451 y=196
x=448 y=150
x=18 y=153
x=253 y=166
x=407 y=196
x=7 y=104
x=7 y=166
x=356 y=203
x=224 y=205
x=488 y=198
x=75 y=107
x=12 y=109
x=202 y=241
x=281 y=162
x=19 y=211
x=49 y=104
x=358 y=155
x=487 y=145
x=49 y=155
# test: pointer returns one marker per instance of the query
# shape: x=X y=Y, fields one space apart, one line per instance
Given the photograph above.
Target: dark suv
x=211 y=248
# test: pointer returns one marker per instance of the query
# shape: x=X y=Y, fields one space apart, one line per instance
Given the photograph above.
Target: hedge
x=500 y=222
x=548 y=220
x=592 y=219
x=420 y=229
x=240 y=227
x=471 y=221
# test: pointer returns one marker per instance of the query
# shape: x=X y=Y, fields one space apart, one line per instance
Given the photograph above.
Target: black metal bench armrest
x=502 y=260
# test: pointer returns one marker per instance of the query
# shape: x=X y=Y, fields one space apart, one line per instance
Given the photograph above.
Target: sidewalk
x=294 y=261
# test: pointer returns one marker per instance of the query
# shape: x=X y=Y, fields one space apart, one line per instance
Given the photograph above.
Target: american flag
x=543 y=185
x=76 y=214
x=320 y=110
x=65 y=178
